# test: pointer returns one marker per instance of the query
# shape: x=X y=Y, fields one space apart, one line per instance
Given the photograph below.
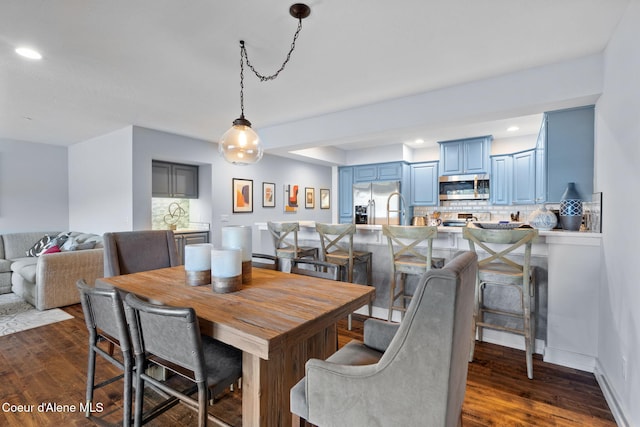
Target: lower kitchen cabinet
x=189 y=238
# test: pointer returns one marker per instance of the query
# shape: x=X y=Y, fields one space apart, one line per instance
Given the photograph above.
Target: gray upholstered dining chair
x=104 y=315
x=409 y=374
x=134 y=251
x=170 y=337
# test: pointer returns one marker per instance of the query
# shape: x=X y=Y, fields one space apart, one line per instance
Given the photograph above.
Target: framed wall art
x=325 y=198
x=242 y=190
x=268 y=195
x=309 y=198
x=291 y=198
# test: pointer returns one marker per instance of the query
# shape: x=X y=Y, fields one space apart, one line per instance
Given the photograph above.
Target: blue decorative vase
x=571 y=208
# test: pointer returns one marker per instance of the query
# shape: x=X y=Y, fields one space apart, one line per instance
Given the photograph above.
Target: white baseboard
x=611 y=397
x=569 y=359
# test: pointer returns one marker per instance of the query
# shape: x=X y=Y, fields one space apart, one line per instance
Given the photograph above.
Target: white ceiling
x=173 y=65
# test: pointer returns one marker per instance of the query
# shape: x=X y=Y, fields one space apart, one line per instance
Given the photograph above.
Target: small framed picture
x=242 y=197
x=268 y=195
x=309 y=198
x=325 y=198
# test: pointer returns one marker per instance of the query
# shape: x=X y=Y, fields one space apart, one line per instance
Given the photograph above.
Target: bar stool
x=282 y=233
x=337 y=248
x=402 y=242
x=498 y=270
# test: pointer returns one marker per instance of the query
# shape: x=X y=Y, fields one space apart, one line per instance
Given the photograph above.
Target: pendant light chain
x=263 y=78
x=241 y=80
x=241 y=145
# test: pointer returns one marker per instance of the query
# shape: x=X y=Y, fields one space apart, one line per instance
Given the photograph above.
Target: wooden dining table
x=278 y=320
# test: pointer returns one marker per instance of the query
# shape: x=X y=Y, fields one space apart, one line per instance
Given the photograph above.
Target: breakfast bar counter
x=567 y=276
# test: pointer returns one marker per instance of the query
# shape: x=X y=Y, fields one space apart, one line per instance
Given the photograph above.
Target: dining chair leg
x=91 y=373
x=139 y=381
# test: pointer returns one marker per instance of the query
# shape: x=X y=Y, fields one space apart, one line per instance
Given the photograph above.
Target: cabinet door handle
x=475 y=186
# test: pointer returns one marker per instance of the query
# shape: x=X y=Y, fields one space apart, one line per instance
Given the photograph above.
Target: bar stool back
x=337 y=247
x=285 y=241
x=406 y=259
x=498 y=270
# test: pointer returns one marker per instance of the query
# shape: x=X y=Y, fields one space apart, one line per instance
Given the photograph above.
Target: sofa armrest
x=57 y=274
x=379 y=333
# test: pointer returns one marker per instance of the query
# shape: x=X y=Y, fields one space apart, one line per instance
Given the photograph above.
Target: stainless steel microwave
x=464 y=187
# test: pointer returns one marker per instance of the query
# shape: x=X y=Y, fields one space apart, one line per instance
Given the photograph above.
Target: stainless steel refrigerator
x=370 y=202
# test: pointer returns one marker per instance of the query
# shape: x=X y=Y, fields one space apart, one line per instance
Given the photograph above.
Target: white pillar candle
x=226 y=262
x=197 y=257
x=238 y=237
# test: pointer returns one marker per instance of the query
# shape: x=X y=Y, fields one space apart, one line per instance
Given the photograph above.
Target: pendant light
x=241 y=145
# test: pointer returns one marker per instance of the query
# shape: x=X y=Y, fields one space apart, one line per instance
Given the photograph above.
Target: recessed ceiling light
x=28 y=53
x=419 y=141
x=512 y=128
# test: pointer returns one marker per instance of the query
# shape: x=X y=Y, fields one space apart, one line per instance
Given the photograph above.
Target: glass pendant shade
x=240 y=145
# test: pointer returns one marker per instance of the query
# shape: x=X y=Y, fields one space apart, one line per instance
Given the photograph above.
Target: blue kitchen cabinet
x=565 y=153
x=501 y=178
x=524 y=178
x=541 y=164
x=465 y=156
x=378 y=172
x=345 y=194
x=424 y=184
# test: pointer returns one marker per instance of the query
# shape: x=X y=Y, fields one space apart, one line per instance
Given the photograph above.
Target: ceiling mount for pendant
x=299 y=10
x=241 y=145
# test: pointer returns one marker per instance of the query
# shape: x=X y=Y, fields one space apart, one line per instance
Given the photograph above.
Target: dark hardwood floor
x=47 y=365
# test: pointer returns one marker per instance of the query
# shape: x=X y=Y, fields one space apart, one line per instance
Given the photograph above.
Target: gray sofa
x=49 y=280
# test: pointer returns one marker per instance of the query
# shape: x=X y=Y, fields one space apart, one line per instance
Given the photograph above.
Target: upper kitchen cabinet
x=565 y=153
x=174 y=180
x=424 y=184
x=524 y=177
x=465 y=156
x=501 y=179
x=378 y=172
x=513 y=178
x=345 y=194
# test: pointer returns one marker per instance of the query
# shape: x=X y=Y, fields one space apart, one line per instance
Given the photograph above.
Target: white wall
x=100 y=174
x=617 y=160
x=33 y=187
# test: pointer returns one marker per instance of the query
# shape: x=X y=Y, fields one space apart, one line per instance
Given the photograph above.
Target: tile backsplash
x=591 y=209
x=165 y=211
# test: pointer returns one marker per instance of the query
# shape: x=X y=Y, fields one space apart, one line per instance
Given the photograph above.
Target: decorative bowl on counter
x=543 y=219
